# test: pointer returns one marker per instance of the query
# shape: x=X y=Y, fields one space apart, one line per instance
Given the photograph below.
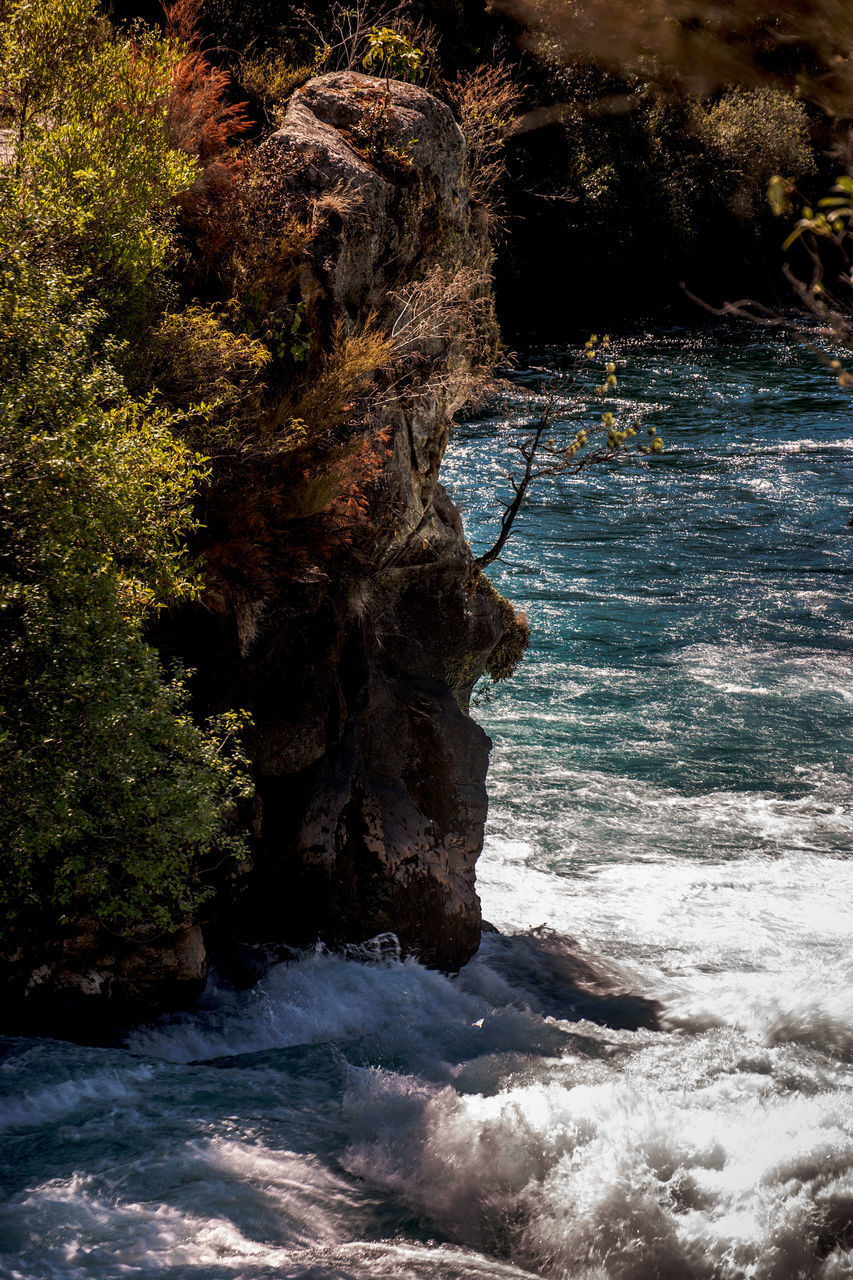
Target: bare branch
x=544 y=458
x=520 y=486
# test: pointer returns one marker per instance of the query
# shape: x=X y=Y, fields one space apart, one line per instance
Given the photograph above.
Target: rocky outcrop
x=83 y=973
x=370 y=772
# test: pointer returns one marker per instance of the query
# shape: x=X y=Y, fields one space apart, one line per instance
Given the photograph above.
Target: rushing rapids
x=670 y=816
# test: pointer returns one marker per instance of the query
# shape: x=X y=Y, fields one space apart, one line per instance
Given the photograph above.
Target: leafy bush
x=391 y=54
x=271 y=77
x=753 y=134
x=94 y=174
x=109 y=796
x=111 y=799
x=194 y=350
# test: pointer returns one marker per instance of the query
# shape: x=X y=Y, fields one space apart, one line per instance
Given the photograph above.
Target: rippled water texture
x=671 y=817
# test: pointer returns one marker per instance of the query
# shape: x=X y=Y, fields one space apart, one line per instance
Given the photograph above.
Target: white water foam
x=45 y=1106
x=322 y=998
x=635 y=1177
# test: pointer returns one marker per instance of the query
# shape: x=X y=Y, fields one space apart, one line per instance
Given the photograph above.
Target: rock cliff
x=356 y=666
x=370 y=773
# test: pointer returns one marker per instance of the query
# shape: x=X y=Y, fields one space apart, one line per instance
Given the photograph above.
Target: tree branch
x=527 y=449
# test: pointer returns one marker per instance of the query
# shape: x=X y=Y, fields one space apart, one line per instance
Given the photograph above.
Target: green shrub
x=193 y=351
x=272 y=78
x=94 y=176
x=111 y=799
x=752 y=134
x=109 y=796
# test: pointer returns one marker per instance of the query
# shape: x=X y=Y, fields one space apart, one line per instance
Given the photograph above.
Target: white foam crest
x=392 y=1261
x=794 y=669
x=757 y=944
x=462 y=1160
x=716 y=910
x=816 y=1012
x=241 y=1206
x=628 y=1179
x=319 y=998
x=78 y=1232
x=828 y=444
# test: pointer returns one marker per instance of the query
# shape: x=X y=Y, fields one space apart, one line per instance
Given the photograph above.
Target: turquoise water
x=670 y=817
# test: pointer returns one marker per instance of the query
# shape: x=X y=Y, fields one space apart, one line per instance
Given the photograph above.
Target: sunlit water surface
x=670 y=816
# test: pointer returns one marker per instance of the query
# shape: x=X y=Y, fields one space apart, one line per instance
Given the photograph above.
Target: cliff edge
x=370 y=773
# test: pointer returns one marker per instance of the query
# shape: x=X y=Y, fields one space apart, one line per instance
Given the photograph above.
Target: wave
x=628 y=1180
x=59 y=1100
x=321 y=997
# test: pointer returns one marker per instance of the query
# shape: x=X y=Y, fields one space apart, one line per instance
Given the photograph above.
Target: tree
x=95 y=176
x=110 y=797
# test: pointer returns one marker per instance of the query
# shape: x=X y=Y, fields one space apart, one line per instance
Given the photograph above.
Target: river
x=670 y=818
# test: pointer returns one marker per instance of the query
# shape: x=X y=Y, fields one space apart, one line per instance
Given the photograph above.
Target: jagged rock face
x=381 y=227
x=372 y=787
x=371 y=776
x=397 y=159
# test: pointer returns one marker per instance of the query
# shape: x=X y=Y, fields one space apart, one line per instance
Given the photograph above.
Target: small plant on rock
x=546 y=457
x=393 y=55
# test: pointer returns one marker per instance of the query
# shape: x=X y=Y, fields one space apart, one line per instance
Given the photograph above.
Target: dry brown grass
x=445 y=334
x=335 y=393
x=486 y=102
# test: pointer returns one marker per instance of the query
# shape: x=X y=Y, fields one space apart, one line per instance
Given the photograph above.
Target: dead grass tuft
x=485 y=101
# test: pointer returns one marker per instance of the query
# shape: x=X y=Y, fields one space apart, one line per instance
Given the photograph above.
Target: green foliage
x=393 y=55
x=111 y=799
x=753 y=134
x=94 y=174
x=271 y=77
x=834 y=213
x=108 y=794
x=194 y=351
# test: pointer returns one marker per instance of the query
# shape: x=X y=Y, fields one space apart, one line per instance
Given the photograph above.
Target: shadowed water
x=646 y=1075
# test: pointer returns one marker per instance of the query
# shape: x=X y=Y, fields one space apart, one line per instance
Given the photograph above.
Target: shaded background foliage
x=627 y=173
